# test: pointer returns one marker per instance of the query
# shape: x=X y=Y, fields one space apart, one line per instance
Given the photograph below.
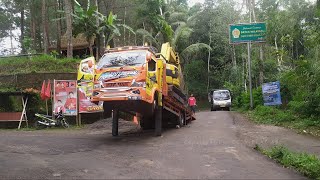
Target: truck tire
x=115 y=122
x=182 y=119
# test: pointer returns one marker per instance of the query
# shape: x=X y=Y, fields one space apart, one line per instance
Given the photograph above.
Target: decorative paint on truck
x=85 y=86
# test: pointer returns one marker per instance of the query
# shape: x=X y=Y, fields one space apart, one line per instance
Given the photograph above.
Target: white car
x=220 y=99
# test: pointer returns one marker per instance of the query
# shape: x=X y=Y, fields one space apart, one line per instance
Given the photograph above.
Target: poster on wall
x=271 y=93
x=85 y=104
x=65 y=97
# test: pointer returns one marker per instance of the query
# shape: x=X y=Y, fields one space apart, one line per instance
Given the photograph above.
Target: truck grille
x=116 y=84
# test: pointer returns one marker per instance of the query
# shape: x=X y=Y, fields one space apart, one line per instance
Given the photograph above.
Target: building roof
x=79 y=42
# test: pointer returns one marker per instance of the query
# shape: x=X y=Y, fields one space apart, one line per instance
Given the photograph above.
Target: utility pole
x=249 y=60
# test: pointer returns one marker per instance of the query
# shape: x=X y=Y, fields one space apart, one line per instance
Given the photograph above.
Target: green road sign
x=243 y=33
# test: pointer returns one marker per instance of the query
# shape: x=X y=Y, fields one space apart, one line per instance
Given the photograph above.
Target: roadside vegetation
x=300 y=93
x=37 y=64
x=307 y=164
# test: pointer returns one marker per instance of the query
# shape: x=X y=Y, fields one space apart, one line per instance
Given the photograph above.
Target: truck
x=140 y=81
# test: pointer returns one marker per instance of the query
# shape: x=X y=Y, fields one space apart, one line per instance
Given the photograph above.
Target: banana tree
x=110 y=26
x=85 y=22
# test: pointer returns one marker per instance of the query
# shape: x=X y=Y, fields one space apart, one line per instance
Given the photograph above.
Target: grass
x=307 y=164
x=284 y=118
x=37 y=64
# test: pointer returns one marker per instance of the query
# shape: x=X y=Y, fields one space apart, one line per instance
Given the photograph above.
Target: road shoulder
x=268 y=136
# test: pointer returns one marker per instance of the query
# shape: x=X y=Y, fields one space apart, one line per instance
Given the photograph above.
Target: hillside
x=37 y=64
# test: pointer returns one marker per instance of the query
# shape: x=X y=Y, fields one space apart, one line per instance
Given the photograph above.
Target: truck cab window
x=152 y=65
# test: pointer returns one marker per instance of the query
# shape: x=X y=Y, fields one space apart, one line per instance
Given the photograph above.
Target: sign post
x=248 y=33
x=271 y=93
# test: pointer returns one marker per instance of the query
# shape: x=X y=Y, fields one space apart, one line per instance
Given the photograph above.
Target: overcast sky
x=192 y=2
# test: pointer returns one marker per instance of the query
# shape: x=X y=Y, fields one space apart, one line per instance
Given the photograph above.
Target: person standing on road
x=192 y=103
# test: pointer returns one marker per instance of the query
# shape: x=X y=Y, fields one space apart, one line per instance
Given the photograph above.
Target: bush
x=243 y=101
x=272 y=115
x=43 y=63
x=307 y=164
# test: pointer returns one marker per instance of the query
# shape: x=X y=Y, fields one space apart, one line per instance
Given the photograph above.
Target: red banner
x=65 y=97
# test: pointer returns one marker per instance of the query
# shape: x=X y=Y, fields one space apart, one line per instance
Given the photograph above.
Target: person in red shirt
x=71 y=103
x=192 y=103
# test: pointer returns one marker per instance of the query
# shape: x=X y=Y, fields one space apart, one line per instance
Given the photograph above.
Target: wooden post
x=23 y=115
x=78 y=114
x=47 y=107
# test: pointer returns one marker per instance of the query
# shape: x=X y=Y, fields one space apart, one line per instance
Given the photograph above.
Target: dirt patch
x=267 y=136
x=105 y=126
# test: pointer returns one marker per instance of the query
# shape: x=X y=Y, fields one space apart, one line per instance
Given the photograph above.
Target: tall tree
x=68 y=12
x=22 y=29
x=58 y=16
x=45 y=27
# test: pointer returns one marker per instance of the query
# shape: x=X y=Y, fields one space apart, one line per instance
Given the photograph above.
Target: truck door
x=151 y=80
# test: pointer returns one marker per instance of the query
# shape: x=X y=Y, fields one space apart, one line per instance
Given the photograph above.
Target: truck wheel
x=182 y=119
x=115 y=122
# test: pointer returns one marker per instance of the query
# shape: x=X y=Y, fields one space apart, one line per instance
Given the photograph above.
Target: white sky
x=192 y=2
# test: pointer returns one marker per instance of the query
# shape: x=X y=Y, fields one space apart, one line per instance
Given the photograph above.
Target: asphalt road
x=208 y=148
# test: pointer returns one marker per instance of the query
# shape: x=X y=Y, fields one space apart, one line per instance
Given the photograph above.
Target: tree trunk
x=68 y=11
x=45 y=27
x=58 y=7
x=234 y=56
x=98 y=37
x=277 y=49
x=23 y=50
x=32 y=26
x=261 y=67
x=90 y=46
x=209 y=56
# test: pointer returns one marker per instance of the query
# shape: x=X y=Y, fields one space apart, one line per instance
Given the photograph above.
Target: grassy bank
x=285 y=118
x=42 y=63
x=307 y=164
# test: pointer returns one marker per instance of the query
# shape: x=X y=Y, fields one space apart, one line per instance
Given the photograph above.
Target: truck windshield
x=221 y=95
x=123 y=58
